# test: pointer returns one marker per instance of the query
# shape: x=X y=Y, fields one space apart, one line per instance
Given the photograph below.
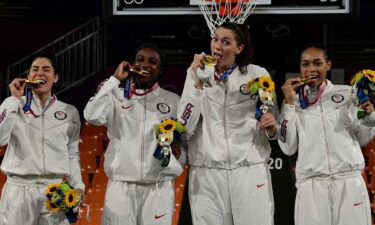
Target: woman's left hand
x=268 y=122
x=83 y=196
x=368 y=107
x=176 y=150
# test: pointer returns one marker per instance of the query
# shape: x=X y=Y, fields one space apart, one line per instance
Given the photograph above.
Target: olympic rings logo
x=278 y=31
x=129 y=2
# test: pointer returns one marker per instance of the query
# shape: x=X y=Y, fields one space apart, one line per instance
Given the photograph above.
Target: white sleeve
x=275 y=112
x=288 y=140
x=363 y=128
x=189 y=109
x=183 y=157
x=8 y=118
x=75 y=178
x=100 y=106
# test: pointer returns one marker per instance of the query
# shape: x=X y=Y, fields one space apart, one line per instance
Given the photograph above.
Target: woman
x=132 y=197
x=42 y=135
x=229 y=181
x=320 y=122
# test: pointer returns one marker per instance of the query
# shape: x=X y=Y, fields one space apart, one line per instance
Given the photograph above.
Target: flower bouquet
x=62 y=198
x=363 y=88
x=263 y=87
x=168 y=132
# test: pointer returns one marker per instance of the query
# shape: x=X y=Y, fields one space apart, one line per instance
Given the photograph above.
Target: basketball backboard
x=264 y=7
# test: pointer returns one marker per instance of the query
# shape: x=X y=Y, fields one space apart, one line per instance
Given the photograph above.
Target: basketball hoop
x=216 y=12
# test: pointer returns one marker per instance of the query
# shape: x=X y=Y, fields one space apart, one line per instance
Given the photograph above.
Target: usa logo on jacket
x=60 y=115
x=244 y=90
x=2 y=115
x=163 y=108
x=337 y=98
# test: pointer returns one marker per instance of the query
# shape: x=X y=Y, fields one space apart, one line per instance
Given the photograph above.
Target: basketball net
x=216 y=12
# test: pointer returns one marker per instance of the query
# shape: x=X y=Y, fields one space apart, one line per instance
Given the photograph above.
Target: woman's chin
x=315 y=83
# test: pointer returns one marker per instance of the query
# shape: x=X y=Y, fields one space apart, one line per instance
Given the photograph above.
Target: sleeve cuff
x=173 y=169
x=369 y=120
x=114 y=80
x=277 y=134
x=196 y=93
x=79 y=186
x=288 y=107
x=288 y=110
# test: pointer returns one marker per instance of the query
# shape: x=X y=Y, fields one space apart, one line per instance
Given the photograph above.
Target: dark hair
x=242 y=36
x=319 y=47
x=163 y=58
x=49 y=57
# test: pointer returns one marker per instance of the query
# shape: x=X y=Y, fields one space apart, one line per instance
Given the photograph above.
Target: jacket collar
x=36 y=107
x=140 y=93
x=38 y=104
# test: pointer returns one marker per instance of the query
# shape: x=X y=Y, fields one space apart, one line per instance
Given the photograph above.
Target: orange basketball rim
x=216 y=12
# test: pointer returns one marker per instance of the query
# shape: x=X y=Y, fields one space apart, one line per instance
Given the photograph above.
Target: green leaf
x=254 y=88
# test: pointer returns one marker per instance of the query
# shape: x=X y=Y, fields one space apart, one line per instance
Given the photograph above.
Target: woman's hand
x=120 y=72
x=268 y=122
x=289 y=89
x=197 y=63
x=17 y=87
x=368 y=107
x=176 y=150
x=82 y=195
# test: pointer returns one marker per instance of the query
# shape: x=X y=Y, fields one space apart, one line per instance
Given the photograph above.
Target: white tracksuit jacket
x=327 y=134
x=229 y=137
x=42 y=143
x=131 y=123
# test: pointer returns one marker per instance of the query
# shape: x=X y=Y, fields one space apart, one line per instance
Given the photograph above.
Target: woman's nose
x=311 y=67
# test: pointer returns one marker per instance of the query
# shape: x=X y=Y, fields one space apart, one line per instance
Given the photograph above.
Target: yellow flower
x=52 y=207
x=356 y=78
x=167 y=126
x=266 y=84
x=370 y=74
x=51 y=188
x=71 y=199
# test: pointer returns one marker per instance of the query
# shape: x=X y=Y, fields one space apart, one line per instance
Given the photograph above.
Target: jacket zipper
x=325 y=136
x=225 y=123
x=142 y=136
x=43 y=154
x=328 y=160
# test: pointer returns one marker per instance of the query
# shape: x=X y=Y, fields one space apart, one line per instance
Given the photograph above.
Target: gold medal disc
x=209 y=60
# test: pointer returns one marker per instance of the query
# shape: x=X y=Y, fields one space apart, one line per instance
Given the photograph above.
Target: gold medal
x=135 y=70
x=305 y=80
x=209 y=60
x=32 y=82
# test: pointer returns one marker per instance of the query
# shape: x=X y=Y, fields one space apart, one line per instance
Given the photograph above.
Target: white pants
x=128 y=203
x=241 y=196
x=23 y=203
x=340 y=199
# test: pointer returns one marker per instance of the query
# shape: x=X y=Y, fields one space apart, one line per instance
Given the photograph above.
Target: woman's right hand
x=197 y=63
x=17 y=87
x=289 y=89
x=120 y=72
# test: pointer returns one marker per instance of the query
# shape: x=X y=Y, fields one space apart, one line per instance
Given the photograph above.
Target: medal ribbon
x=140 y=92
x=50 y=103
x=128 y=83
x=29 y=97
x=224 y=76
x=304 y=101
